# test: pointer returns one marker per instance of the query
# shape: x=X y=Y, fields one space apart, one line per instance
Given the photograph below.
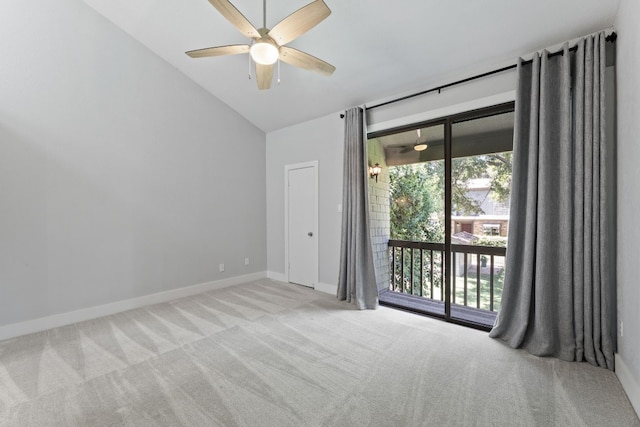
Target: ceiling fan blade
x=233 y=49
x=299 y=22
x=236 y=18
x=264 y=75
x=406 y=149
x=301 y=59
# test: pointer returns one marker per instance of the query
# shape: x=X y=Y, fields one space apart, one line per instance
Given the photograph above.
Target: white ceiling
x=381 y=48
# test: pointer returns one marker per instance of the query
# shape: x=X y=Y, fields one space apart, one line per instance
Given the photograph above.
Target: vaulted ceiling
x=380 y=48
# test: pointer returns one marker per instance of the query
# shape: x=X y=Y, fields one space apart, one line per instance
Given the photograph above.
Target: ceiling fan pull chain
x=278 y=71
x=249 y=67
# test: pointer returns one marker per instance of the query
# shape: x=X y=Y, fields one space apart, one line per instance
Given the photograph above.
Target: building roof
x=464 y=238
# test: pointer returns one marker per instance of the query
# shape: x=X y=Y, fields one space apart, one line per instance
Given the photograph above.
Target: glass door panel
x=415 y=161
x=481 y=163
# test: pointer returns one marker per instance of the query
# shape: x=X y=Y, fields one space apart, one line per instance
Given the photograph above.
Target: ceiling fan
x=268 y=45
x=417 y=146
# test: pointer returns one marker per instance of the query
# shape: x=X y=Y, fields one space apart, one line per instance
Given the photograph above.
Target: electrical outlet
x=246 y=261
x=221 y=267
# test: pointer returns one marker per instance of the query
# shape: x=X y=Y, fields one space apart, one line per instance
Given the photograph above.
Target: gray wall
x=322 y=140
x=628 y=236
x=119 y=176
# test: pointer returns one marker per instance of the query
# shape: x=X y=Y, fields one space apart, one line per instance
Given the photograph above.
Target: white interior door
x=302 y=225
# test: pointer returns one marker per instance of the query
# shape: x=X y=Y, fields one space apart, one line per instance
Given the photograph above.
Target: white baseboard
x=280 y=277
x=629 y=383
x=326 y=288
x=61 y=319
x=321 y=287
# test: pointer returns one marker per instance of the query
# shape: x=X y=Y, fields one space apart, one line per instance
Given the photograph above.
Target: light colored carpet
x=273 y=354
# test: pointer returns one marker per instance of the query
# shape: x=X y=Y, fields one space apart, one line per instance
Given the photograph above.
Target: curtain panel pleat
x=557 y=292
x=356 y=281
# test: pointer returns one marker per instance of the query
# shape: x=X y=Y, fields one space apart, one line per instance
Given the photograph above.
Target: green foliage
x=500 y=168
x=496 y=167
x=417 y=194
x=416 y=210
x=493 y=241
x=485 y=291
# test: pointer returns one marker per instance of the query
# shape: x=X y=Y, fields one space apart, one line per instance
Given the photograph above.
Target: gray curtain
x=557 y=292
x=357 y=281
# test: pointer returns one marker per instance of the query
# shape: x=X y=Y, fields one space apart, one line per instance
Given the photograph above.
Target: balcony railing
x=417 y=268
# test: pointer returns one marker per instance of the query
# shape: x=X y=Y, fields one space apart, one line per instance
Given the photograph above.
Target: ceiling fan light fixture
x=420 y=146
x=264 y=53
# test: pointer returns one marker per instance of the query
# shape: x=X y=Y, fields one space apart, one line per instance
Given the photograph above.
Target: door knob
x=310 y=234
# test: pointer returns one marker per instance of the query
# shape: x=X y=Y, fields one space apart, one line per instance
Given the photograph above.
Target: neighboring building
x=466 y=229
x=494 y=219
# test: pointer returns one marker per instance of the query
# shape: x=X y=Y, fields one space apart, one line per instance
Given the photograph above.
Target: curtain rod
x=610 y=38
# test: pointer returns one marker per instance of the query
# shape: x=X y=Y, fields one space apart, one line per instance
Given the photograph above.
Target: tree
x=416 y=208
x=500 y=171
x=417 y=193
x=495 y=166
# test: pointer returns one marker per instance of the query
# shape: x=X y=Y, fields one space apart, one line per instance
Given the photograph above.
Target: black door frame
x=448 y=123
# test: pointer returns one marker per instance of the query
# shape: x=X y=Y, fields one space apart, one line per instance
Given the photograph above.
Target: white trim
x=327 y=288
x=311 y=164
x=629 y=383
x=62 y=319
x=449 y=110
x=280 y=277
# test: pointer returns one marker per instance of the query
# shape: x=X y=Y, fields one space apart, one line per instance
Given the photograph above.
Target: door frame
x=448 y=122
x=287 y=168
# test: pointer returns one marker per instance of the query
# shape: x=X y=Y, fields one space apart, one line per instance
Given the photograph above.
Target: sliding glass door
x=449 y=190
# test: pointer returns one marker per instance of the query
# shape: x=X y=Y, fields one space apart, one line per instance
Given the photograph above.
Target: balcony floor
x=481 y=319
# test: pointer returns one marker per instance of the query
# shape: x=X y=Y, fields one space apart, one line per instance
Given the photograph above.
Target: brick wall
x=478 y=229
